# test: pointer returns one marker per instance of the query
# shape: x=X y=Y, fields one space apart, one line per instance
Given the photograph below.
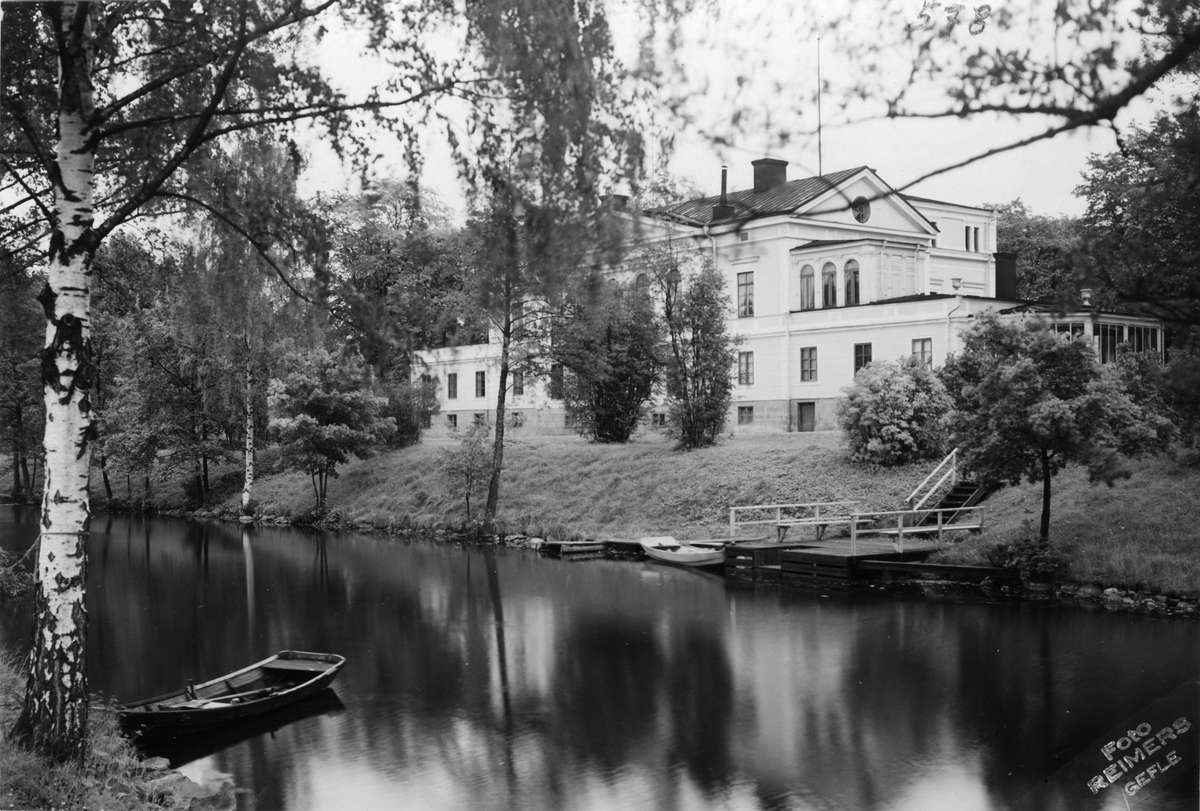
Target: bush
x=894 y=413
x=468 y=466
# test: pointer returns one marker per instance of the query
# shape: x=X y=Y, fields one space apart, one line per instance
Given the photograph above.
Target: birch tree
x=107 y=110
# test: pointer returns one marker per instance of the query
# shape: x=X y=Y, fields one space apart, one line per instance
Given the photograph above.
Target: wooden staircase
x=962 y=494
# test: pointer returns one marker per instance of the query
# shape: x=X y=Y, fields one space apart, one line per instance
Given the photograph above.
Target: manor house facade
x=825 y=275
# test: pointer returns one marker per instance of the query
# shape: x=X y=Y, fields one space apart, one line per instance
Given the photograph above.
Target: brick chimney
x=768 y=173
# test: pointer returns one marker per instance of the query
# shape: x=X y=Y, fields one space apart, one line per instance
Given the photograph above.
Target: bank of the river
x=1138 y=537
x=114 y=778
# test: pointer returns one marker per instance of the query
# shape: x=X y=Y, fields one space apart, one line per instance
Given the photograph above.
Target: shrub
x=894 y=413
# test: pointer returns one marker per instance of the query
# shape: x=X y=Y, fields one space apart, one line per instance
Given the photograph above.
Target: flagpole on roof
x=820 y=167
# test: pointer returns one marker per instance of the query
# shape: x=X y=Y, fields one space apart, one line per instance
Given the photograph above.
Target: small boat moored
x=666 y=549
x=282 y=679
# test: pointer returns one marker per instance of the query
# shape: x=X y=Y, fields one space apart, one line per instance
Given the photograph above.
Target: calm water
x=501 y=680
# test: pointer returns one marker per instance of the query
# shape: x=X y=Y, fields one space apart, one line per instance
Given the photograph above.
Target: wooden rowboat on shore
x=276 y=681
x=666 y=549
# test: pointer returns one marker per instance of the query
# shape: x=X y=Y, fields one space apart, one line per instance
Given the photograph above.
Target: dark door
x=806 y=416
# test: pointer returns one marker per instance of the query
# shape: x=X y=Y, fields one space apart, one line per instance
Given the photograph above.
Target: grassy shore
x=114 y=777
x=1139 y=534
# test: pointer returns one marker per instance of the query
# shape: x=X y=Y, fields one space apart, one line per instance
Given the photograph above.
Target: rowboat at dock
x=276 y=681
x=666 y=549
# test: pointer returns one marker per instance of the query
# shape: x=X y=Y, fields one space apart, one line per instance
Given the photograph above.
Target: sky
x=766 y=60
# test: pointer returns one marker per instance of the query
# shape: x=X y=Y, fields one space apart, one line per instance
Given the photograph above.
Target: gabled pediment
x=866 y=201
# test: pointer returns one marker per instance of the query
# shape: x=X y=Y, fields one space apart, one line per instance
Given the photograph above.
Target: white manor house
x=825 y=274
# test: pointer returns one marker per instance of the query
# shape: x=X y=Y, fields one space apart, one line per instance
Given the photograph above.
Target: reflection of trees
x=699 y=692
x=608 y=678
x=523 y=679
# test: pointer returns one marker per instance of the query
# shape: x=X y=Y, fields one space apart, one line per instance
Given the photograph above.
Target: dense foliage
x=700 y=353
x=323 y=412
x=1047 y=250
x=610 y=346
x=1143 y=219
x=1029 y=401
x=895 y=413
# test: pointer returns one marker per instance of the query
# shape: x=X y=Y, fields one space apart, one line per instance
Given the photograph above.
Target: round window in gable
x=861 y=208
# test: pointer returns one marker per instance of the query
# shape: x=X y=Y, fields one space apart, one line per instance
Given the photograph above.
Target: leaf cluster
x=611 y=346
x=323 y=412
x=895 y=413
x=1029 y=401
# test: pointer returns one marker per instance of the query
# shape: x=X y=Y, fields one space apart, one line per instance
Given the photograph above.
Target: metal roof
x=781 y=199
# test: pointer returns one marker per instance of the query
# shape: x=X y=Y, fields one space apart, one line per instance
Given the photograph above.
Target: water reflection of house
x=825 y=274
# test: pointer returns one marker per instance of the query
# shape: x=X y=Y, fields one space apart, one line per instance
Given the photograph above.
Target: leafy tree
x=610 y=345
x=402 y=273
x=895 y=413
x=1143 y=220
x=1047 y=250
x=700 y=353
x=116 y=111
x=322 y=414
x=1029 y=401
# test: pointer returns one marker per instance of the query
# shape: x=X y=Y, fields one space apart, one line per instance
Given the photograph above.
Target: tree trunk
x=53 y=719
x=1045 y=533
x=493 y=497
x=104 y=475
x=18 y=494
x=249 y=480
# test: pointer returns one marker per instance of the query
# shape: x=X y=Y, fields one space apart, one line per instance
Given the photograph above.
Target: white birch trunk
x=54 y=717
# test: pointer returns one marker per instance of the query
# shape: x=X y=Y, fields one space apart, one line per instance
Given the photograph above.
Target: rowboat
x=276 y=681
x=666 y=549
x=180 y=745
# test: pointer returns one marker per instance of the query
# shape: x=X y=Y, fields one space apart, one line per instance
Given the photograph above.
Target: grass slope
x=1141 y=533
x=564 y=486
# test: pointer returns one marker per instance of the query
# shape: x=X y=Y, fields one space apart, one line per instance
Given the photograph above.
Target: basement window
x=745 y=415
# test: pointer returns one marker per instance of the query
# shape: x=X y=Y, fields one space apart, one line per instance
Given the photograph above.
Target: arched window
x=808 y=288
x=829 y=285
x=642 y=282
x=852 y=283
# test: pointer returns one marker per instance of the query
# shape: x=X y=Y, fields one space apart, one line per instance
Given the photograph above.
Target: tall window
x=745 y=368
x=852 y=283
x=518 y=383
x=966 y=237
x=862 y=356
x=452 y=386
x=518 y=320
x=1111 y=336
x=556 y=381
x=923 y=350
x=808 y=363
x=808 y=288
x=1142 y=339
x=829 y=285
x=481 y=384
x=745 y=294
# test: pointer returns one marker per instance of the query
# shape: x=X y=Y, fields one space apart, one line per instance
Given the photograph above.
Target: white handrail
x=952 y=458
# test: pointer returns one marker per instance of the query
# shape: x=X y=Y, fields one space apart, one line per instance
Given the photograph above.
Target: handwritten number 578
x=952 y=11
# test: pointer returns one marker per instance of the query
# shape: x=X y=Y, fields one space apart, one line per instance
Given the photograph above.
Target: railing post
x=900 y=532
x=939 y=535
x=853 y=533
x=733 y=522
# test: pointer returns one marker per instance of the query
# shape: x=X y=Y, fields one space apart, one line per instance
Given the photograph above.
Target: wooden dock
x=824 y=562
